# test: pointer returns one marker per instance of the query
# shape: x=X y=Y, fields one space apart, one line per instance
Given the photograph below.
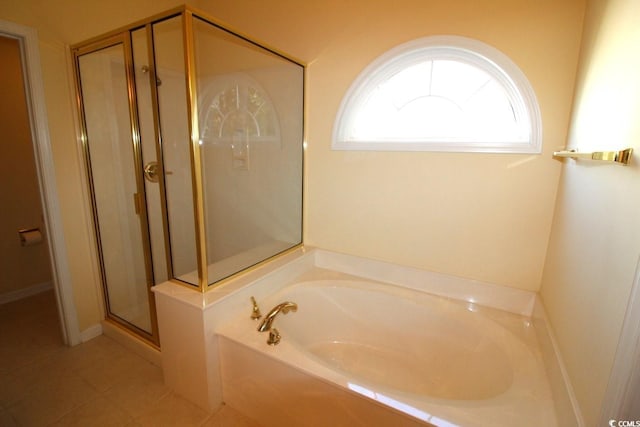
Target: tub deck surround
x=442 y=361
x=566 y=406
x=290 y=397
x=196 y=327
x=482 y=293
x=187 y=320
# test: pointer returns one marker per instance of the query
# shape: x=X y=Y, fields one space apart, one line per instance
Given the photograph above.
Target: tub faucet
x=265 y=325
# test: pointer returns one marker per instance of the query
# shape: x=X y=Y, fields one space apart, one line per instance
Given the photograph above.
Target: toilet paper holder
x=30 y=236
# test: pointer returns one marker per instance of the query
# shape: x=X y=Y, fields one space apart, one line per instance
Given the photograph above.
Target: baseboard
x=25 y=292
x=91 y=332
x=566 y=405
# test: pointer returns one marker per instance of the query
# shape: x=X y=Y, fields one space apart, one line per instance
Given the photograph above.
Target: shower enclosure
x=193 y=142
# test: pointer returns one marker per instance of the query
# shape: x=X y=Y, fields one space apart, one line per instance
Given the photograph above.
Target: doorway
x=42 y=156
x=24 y=258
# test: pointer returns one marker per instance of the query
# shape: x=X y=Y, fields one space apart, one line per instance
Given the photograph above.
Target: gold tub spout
x=266 y=324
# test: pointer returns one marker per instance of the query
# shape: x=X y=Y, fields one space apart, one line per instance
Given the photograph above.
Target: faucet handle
x=255 y=312
x=274 y=337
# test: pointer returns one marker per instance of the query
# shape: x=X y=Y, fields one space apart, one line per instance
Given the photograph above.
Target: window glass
x=440 y=94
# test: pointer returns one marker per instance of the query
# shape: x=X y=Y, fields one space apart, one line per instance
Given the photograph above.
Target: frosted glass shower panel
x=112 y=169
x=250 y=117
x=174 y=125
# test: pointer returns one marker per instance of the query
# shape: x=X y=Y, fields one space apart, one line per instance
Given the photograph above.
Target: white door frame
x=623 y=390
x=61 y=277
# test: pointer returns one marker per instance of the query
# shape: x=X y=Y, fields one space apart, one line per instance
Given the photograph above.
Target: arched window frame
x=462 y=49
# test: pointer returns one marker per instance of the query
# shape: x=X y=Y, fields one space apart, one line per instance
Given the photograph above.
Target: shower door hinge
x=137 y=202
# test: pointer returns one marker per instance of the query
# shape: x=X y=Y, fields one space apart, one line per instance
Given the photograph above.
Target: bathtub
x=360 y=352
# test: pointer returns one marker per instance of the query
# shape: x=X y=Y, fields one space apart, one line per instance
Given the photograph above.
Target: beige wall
x=20 y=267
x=595 y=239
x=481 y=216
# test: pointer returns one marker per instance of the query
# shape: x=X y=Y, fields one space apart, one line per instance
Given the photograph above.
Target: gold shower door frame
x=126 y=37
x=138 y=199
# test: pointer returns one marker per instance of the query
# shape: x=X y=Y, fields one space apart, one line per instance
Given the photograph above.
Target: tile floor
x=98 y=383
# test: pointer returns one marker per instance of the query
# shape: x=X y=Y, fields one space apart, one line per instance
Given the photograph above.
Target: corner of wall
x=91 y=332
x=568 y=413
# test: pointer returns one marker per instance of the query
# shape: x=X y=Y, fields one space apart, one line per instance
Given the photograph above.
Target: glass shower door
x=114 y=162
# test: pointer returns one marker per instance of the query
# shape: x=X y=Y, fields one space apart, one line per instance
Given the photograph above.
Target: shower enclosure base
x=132 y=342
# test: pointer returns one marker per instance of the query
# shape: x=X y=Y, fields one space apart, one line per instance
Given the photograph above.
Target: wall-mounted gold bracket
x=622 y=157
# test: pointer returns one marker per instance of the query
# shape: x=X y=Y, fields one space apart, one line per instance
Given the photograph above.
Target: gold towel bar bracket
x=622 y=157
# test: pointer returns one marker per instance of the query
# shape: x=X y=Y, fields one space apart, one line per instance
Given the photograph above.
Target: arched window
x=442 y=93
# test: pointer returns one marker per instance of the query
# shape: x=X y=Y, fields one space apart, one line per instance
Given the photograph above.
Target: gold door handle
x=151 y=172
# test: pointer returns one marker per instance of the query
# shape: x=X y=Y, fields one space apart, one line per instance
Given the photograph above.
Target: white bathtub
x=358 y=352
